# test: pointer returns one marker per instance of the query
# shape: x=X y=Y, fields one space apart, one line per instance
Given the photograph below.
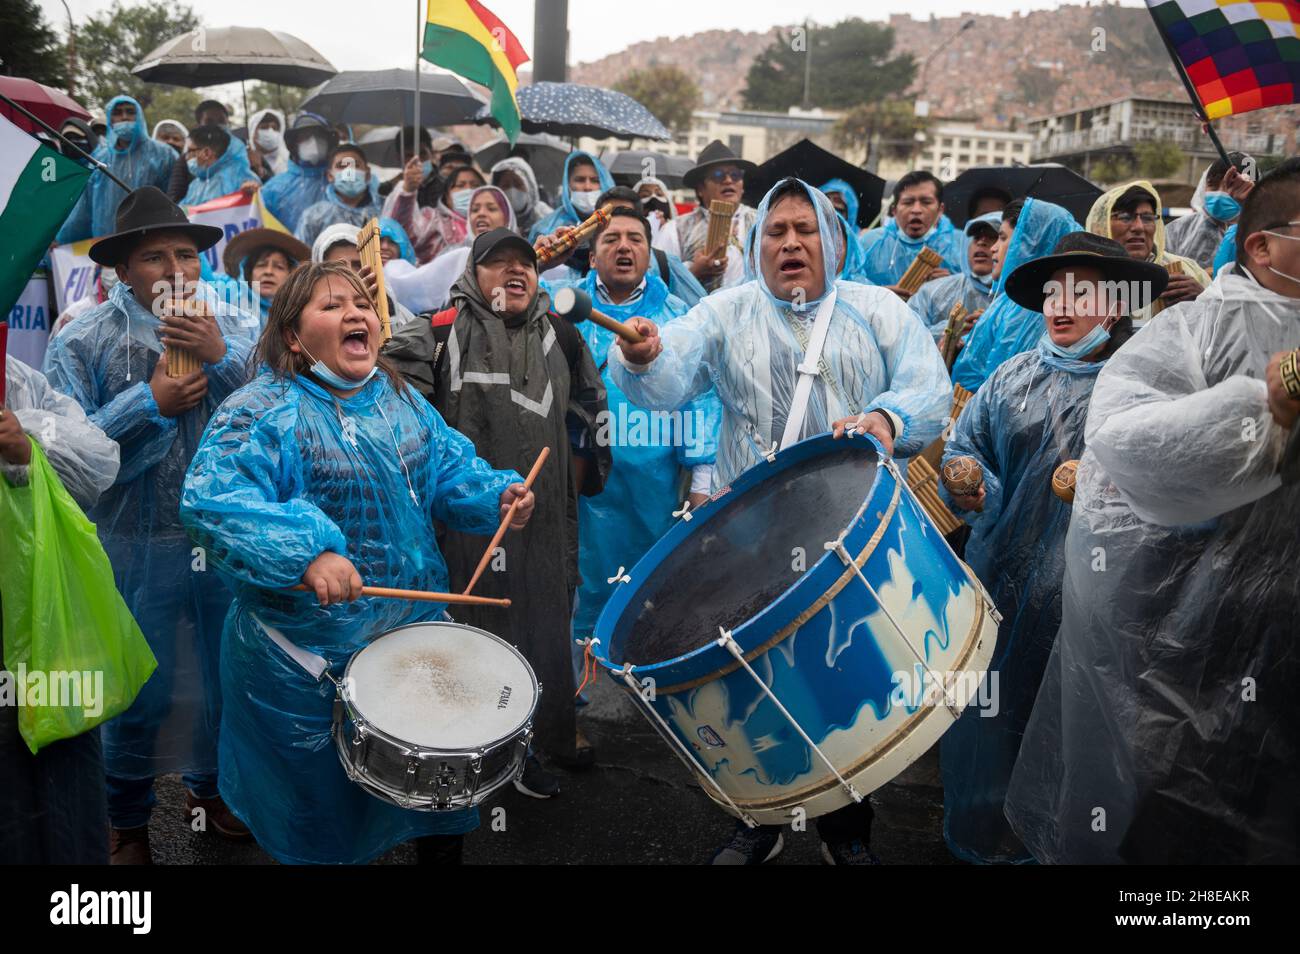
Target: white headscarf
x=277 y=159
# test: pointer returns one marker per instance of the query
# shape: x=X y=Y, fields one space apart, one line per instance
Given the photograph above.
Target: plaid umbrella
x=568 y=109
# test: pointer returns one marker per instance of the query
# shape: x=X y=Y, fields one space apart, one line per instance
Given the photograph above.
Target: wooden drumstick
x=575 y=305
x=505 y=521
x=427 y=596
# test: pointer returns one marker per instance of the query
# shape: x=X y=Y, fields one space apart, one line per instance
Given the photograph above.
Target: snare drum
x=435 y=716
x=805 y=636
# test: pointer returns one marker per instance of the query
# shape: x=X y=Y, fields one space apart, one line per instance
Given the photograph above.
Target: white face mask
x=311 y=151
x=269 y=140
x=584 y=202
x=519 y=199
x=1289 y=238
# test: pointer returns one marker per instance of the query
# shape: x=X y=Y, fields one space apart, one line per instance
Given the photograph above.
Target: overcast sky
x=377 y=34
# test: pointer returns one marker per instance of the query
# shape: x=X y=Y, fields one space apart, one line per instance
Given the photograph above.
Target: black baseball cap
x=489 y=242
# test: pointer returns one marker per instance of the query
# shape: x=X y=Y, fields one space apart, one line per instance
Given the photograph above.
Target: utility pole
x=807 y=64
x=72 y=51
x=551 y=41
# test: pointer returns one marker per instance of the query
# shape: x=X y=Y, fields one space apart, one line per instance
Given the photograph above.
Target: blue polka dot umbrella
x=568 y=109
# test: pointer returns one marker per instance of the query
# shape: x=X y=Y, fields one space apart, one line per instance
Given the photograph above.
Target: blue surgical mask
x=1085 y=346
x=350 y=182
x=1221 y=207
x=124 y=131
x=329 y=376
x=192 y=164
x=426 y=168
x=460 y=200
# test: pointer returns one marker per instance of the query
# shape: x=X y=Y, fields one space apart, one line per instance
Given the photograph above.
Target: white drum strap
x=808 y=370
x=316 y=666
x=731 y=645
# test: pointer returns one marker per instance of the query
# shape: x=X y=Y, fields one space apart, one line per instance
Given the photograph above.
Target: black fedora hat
x=1027 y=285
x=143 y=212
x=250 y=240
x=714 y=154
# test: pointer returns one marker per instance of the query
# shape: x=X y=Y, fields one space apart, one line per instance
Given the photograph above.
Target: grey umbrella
x=569 y=109
x=210 y=56
x=630 y=166
x=382 y=143
x=545 y=154
x=387 y=97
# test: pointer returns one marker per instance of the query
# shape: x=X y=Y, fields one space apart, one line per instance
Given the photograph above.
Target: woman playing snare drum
x=325 y=470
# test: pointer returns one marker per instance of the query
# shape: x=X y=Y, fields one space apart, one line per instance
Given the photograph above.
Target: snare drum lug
x=443 y=780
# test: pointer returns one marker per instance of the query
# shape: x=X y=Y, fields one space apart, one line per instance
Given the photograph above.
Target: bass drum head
x=442 y=686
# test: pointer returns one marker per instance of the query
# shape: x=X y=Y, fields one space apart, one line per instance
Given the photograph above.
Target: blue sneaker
x=750 y=846
x=853 y=852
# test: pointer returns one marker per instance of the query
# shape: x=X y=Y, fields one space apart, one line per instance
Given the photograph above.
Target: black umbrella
x=814 y=165
x=387 y=97
x=569 y=109
x=1049 y=181
x=632 y=165
x=381 y=145
x=545 y=154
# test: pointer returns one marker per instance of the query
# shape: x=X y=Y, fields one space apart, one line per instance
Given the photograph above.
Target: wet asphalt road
x=637 y=805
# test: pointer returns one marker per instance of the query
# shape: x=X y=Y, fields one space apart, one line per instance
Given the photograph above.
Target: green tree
x=1160 y=159
x=274 y=96
x=851 y=64
x=29 y=46
x=887 y=126
x=1112 y=169
x=666 y=91
x=109 y=44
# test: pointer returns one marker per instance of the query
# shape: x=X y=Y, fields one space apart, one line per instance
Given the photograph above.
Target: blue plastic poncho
x=617 y=526
x=104 y=360
x=855 y=260
x=1227 y=251
x=934 y=300
x=850 y=200
x=1025 y=422
x=1006 y=329
x=1169 y=700
x=286 y=472
x=331 y=210
x=392 y=230
x=741 y=340
x=223 y=177
x=566 y=214
x=888 y=251
x=143 y=162
x=289 y=194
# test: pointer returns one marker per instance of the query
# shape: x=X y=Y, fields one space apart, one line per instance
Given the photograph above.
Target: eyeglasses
x=1148 y=218
x=721 y=175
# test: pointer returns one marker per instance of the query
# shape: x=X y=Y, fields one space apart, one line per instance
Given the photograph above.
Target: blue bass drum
x=803 y=637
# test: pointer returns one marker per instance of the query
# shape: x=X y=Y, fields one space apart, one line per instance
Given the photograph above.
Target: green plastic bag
x=74 y=653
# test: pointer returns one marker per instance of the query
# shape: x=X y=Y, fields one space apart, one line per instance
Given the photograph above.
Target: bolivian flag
x=465 y=37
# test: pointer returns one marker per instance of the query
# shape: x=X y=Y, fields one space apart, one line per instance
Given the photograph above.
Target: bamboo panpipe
x=720 y=216
x=181 y=361
x=368 y=247
x=572 y=239
x=951 y=340
x=926 y=261
x=924 y=482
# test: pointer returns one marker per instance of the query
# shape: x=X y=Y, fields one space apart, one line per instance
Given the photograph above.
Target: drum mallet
x=575 y=305
x=426 y=596
x=505 y=521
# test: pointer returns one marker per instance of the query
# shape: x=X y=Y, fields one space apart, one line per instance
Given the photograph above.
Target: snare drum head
x=442 y=686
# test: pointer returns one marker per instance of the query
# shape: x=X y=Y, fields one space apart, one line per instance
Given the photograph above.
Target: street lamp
x=921 y=109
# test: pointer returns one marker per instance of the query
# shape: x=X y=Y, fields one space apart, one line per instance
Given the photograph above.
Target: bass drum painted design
x=836 y=662
x=435 y=716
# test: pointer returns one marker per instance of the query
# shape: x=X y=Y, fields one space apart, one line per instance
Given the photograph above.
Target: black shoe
x=583 y=758
x=853 y=852
x=750 y=846
x=536 y=782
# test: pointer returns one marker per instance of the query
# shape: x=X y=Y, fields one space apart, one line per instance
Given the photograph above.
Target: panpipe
x=934 y=453
x=720 y=216
x=950 y=343
x=1173 y=268
x=368 y=247
x=181 y=361
x=925 y=262
x=924 y=482
x=574 y=237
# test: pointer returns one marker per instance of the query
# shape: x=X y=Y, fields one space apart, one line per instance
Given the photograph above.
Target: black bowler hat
x=714 y=154
x=489 y=242
x=143 y=212
x=1027 y=285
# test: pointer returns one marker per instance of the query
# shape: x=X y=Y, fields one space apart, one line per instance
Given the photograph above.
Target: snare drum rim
x=826 y=565
x=415 y=749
